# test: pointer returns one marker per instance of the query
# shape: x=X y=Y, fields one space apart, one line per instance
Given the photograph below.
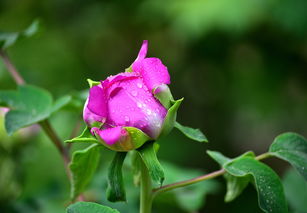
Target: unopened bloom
x=124 y=111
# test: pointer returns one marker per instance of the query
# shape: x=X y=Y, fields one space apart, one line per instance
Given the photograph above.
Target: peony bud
x=127 y=105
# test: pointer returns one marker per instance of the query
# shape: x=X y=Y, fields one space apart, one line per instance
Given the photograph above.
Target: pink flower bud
x=128 y=100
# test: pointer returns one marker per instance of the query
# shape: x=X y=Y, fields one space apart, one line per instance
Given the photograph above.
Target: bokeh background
x=240 y=65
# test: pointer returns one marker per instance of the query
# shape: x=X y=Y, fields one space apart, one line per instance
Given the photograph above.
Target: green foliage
x=29 y=105
x=245 y=169
x=291 y=147
x=83 y=166
x=8 y=39
x=85 y=137
x=295 y=190
x=149 y=157
x=194 y=134
x=271 y=196
x=89 y=207
x=116 y=187
x=235 y=185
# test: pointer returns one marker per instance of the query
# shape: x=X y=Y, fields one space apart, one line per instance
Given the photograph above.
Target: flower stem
x=146 y=190
x=199 y=179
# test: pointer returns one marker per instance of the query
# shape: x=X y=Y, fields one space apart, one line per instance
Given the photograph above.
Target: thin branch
x=11 y=68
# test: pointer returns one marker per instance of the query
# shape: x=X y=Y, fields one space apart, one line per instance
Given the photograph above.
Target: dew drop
x=148 y=112
x=139 y=104
x=127 y=119
x=139 y=85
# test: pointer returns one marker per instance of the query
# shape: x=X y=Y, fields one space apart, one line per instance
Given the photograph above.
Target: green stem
x=263 y=156
x=199 y=179
x=146 y=193
x=188 y=182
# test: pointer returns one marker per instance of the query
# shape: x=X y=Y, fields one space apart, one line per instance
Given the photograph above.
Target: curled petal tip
x=143 y=51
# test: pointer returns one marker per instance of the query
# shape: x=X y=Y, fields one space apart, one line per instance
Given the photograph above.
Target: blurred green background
x=240 y=65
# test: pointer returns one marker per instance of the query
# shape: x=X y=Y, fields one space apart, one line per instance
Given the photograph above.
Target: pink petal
x=152 y=70
x=111 y=135
x=143 y=51
x=132 y=104
x=97 y=102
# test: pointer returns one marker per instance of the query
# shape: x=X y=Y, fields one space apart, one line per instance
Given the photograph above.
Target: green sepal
x=83 y=166
x=291 y=147
x=194 y=134
x=116 y=188
x=92 y=83
x=170 y=117
x=135 y=139
x=85 y=137
x=89 y=207
x=164 y=96
x=8 y=39
x=149 y=156
x=129 y=69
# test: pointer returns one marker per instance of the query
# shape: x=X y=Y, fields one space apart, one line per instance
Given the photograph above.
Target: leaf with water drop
x=271 y=196
x=291 y=147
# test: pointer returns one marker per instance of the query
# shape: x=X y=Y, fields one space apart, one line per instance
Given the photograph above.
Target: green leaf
x=235 y=185
x=291 y=147
x=89 y=207
x=170 y=118
x=116 y=188
x=28 y=105
x=295 y=190
x=61 y=102
x=85 y=137
x=271 y=196
x=83 y=166
x=149 y=157
x=194 y=134
x=7 y=39
x=218 y=157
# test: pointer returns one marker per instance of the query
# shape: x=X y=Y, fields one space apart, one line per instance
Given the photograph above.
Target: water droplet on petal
x=139 y=85
x=139 y=104
x=148 y=111
x=127 y=119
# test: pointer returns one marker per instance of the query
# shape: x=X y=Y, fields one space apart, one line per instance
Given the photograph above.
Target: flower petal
x=143 y=51
x=111 y=135
x=97 y=102
x=152 y=70
x=132 y=104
